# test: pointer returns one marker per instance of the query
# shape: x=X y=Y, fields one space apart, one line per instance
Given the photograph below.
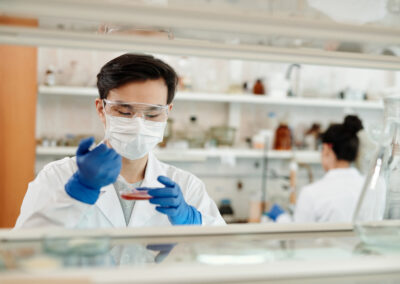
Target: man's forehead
x=150 y=91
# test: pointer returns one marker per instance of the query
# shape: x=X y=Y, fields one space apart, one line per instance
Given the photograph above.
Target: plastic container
x=134 y=194
x=262 y=137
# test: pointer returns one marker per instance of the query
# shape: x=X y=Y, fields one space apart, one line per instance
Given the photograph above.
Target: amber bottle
x=283 y=138
x=258 y=88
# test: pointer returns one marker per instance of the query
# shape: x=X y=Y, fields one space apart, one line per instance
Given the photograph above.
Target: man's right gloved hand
x=96 y=168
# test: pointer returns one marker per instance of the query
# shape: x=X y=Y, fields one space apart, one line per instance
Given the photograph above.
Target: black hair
x=135 y=68
x=343 y=138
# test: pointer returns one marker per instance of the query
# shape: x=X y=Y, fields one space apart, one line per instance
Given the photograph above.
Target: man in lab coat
x=136 y=94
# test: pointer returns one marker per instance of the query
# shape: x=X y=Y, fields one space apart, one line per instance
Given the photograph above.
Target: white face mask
x=135 y=137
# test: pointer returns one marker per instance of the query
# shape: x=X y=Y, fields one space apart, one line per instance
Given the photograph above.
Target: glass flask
x=377 y=215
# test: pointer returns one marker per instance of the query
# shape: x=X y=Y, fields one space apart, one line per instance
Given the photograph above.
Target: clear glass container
x=377 y=215
x=195 y=134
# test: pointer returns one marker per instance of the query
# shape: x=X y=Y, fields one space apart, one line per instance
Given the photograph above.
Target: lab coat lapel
x=143 y=211
x=110 y=205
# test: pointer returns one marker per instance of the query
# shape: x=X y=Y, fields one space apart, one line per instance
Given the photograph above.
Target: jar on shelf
x=283 y=137
x=258 y=88
x=50 y=76
x=195 y=134
x=226 y=210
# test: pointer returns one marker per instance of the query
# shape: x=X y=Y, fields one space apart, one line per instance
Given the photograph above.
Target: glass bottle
x=195 y=134
x=283 y=137
x=226 y=210
x=377 y=215
x=258 y=88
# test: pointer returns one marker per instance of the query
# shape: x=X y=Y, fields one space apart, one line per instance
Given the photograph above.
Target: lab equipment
x=224 y=135
x=50 y=76
x=293 y=182
x=294 y=89
x=149 y=112
x=263 y=139
x=134 y=194
x=312 y=137
x=377 y=216
x=96 y=168
x=283 y=137
x=256 y=207
x=82 y=246
x=134 y=129
x=134 y=137
x=314 y=251
x=195 y=134
x=258 y=88
x=171 y=202
x=226 y=210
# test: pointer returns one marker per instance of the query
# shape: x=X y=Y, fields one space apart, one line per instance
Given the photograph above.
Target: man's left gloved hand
x=170 y=201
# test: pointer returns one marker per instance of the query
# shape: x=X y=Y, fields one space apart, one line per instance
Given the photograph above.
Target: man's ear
x=100 y=110
x=326 y=149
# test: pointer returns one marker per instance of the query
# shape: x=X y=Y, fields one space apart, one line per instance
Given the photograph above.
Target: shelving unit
x=193 y=155
x=228 y=98
x=235 y=101
x=187 y=30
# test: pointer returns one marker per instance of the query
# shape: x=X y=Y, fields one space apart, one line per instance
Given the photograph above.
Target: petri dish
x=134 y=194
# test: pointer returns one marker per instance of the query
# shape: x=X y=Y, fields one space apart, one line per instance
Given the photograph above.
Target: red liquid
x=135 y=196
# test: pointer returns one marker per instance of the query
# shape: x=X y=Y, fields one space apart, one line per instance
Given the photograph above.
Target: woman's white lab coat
x=47 y=204
x=331 y=199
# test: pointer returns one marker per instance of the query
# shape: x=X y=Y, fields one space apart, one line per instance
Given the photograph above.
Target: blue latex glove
x=96 y=168
x=170 y=201
x=275 y=212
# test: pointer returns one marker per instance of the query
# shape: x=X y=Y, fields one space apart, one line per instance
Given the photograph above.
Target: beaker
x=377 y=215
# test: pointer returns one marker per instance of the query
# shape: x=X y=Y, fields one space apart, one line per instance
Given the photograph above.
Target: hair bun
x=352 y=123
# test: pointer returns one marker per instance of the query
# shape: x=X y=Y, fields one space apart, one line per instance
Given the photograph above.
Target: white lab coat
x=47 y=204
x=330 y=199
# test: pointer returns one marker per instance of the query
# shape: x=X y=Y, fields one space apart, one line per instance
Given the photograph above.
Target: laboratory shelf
x=55 y=151
x=229 y=98
x=300 y=102
x=193 y=155
x=202 y=30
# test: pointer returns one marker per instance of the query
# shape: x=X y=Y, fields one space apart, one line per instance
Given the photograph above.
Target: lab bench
x=250 y=253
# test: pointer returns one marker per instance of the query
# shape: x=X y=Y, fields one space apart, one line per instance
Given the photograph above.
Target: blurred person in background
x=334 y=197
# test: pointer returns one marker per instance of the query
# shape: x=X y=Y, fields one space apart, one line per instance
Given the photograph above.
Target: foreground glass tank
x=377 y=216
x=312 y=253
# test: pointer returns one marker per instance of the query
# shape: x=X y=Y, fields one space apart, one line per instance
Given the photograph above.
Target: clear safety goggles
x=129 y=110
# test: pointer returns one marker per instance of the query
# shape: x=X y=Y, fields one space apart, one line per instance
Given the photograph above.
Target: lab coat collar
x=110 y=205
x=334 y=173
x=143 y=211
x=153 y=170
